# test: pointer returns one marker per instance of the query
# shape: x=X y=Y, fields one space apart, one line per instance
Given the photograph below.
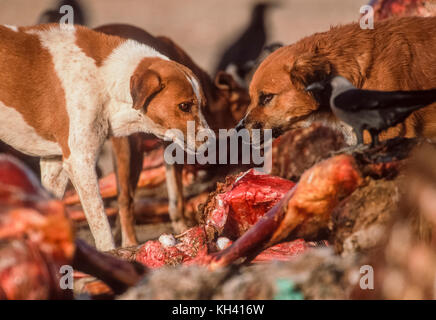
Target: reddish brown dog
x=226 y=104
x=398 y=54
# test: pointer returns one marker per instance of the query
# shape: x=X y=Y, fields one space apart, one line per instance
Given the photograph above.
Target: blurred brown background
x=202 y=27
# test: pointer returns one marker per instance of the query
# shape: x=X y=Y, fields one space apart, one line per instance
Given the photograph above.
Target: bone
x=118 y=274
x=223 y=242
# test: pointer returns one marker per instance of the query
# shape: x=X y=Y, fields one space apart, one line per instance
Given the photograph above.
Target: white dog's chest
x=17 y=133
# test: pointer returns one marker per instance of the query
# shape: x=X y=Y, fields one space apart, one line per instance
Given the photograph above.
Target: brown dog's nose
x=240 y=125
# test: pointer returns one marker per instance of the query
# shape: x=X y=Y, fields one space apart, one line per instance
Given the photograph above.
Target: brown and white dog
x=226 y=103
x=65 y=89
x=398 y=54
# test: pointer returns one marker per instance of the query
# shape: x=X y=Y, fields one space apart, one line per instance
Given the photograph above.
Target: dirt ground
x=201 y=27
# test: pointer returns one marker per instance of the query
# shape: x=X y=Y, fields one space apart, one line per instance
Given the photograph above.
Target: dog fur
x=65 y=89
x=226 y=103
x=398 y=54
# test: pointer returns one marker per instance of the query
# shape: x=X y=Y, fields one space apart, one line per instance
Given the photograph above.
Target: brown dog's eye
x=265 y=98
x=185 y=106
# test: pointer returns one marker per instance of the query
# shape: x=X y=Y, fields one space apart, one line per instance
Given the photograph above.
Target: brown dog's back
x=403 y=58
x=398 y=54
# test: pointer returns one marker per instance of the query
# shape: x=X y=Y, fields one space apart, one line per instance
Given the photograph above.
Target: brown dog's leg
x=128 y=164
x=176 y=200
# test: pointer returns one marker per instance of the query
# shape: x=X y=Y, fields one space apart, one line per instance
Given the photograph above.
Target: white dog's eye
x=185 y=106
x=265 y=98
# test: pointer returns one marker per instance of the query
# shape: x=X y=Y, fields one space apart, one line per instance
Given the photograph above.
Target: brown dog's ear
x=236 y=93
x=225 y=81
x=144 y=87
x=309 y=68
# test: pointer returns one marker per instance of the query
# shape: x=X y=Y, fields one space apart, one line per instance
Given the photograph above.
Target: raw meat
x=243 y=201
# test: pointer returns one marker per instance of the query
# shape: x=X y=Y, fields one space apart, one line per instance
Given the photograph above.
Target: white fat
x=167 y=240
x=222 y=243
x=243 y=175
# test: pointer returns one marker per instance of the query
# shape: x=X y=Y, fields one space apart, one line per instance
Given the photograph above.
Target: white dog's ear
x=309 y=68
x=144 y=88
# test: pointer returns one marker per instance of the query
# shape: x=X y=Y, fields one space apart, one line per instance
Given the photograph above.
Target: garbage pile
x=326 y=212
x=306 y=238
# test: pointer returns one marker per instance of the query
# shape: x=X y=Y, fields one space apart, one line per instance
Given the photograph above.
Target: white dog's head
x=166 y=96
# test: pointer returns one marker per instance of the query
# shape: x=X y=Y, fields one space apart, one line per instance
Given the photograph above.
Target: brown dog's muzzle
x=247 y=123
x=240 y=125
x=277 y=132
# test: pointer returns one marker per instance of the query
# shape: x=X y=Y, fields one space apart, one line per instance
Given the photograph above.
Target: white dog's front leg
x=176 y=199
x=81 y=170
x=53 y=176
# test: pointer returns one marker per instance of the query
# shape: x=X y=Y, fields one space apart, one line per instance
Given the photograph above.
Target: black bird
x=249 y=45
x=251 y=65
x=370 y=110
x=54 y=15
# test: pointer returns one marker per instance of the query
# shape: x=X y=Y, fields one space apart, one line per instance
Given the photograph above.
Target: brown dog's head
x=168 y=96
x=278 y=97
